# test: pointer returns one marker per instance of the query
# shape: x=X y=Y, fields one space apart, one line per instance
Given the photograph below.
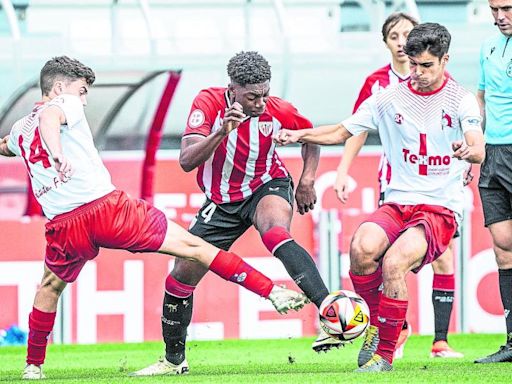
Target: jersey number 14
x=37 y=152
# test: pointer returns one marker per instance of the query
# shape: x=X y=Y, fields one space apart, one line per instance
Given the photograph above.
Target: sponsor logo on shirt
x=425 y=161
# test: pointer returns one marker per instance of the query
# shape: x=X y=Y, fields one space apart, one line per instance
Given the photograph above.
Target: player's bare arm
x=472 y=149
x=196 y=150
x=305 y=195
x=352 y=147
x=50 y=121
x=480 y=97
x=4 y=149
x=326 y=135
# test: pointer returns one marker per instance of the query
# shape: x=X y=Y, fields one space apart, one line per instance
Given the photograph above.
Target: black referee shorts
x=495 y=184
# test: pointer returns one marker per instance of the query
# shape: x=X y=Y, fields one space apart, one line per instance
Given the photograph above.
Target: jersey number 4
x=37 y=152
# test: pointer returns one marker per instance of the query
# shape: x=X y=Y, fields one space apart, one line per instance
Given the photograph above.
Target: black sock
x=505 y=278
x=302 y=270
x=176 y=316
x=443 y=304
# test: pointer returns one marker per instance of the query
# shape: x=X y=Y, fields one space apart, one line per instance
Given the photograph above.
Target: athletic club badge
x=399 y=119
x=265 y=127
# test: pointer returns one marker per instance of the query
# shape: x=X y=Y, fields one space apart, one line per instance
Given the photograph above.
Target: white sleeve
x=72 y=108
x=364 y=118
x=12 y=143
x=469 y=114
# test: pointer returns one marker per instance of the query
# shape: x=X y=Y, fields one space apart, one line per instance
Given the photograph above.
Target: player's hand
x=305 y=196
x=286 y=136
x=341 y=187
x=4 y=149
x=63 y=167
x=461 y=150
x=233 y=117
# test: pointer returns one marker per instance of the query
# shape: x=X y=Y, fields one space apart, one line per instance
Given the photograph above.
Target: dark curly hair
x=248 y=68
x=431 y=37
x=63 y=68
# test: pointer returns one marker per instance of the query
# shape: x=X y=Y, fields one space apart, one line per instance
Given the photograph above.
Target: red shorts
x=112 y=221
x=439 y=224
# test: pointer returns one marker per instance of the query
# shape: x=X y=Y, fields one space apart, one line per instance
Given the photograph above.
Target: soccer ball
x=344 y=315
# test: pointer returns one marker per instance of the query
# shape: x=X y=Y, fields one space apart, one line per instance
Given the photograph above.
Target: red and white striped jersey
x=377 y=81
x=90 y=179
x=417 y=131
x=246 y=158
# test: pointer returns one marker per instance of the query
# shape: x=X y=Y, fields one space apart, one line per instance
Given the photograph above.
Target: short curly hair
x=63 y=68
x=431 y=37
x=248 y=68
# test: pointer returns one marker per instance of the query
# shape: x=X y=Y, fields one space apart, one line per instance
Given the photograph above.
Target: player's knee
x=363 y=250
x=187 y=272
x=52 y=285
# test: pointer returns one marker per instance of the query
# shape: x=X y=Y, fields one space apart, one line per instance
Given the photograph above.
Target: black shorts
x=495 y=184
x=222 y=224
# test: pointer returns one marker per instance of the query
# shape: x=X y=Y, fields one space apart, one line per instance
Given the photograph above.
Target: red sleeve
x=203 y=113
x=287 y=114
x=364 y=93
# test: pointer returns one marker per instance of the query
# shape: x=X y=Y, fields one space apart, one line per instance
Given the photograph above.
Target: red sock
x=275 y=237
x=392 y=316
x=232 y=268
x=367 y=286
x=178 y=289
x=40 y=325
x=443 y=282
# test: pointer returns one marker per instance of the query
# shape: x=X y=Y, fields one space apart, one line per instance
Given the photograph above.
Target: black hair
x=248 y=68
x=431 y=37
x=393 y=20
x=63 y=68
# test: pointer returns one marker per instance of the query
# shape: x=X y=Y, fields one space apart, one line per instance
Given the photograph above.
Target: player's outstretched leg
x=302 y=269
x=228 y=266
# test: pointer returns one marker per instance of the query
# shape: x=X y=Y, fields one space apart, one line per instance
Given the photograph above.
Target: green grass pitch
x=262 y=361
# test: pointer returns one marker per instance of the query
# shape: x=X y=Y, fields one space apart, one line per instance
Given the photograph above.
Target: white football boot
x=163 y=368
x=33 y=372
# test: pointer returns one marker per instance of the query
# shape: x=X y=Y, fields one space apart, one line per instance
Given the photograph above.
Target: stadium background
x=320 y=52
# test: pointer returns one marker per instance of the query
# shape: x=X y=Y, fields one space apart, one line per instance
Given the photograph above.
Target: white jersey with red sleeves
x=377 y=81
x=246 y=158
x=417 y=131
x=90 y=179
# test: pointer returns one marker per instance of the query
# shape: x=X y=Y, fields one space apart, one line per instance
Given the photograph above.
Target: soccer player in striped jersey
x=395 y=30
x=429 y=127
x=86 y=212
x=228 y=139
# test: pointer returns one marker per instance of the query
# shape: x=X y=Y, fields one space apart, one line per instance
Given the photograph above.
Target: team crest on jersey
x=196 y=118
x=509 y=69
x=446 y=120
x=399 y=119
x=265 y=127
